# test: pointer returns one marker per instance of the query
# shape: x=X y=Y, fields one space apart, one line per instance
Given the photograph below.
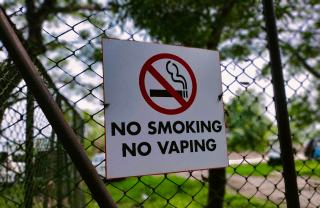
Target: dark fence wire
x=56 y=182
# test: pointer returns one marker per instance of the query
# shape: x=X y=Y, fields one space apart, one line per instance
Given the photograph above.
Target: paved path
x=271 y=187
x=253 y=157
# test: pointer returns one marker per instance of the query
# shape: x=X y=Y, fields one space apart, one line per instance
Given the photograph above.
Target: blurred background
x=63 y=39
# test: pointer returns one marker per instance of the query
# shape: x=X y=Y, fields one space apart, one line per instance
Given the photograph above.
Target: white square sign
x=165 y=114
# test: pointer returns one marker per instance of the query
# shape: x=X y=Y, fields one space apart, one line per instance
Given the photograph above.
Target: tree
x=303 y=111
x=247 y=126
x=204 y=24
x=210 y=24
x=29 y=28
x=48 y=51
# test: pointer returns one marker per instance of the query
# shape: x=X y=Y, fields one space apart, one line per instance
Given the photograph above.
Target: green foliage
x=315 y=134
x=237 y=29
x=84 y=34
x=264 y=72
x=302 y=115
x=208 y=24
x=54 y=30
x=97 y=20
x=94 y=141
x=300 y=44
x=235 y=51
x=191 y=23
x=247 y=127
x=301 y=112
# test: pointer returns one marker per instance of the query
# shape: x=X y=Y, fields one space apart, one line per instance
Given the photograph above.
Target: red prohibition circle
x=148 y=67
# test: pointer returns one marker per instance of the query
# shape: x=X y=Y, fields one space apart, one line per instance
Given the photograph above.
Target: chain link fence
x=37 y=172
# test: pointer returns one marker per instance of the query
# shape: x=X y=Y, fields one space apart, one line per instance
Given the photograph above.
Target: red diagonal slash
x=166 y=85
x=148 y=67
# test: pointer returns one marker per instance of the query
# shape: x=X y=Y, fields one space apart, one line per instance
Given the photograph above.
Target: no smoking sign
x=164 y=114
x=176 y=71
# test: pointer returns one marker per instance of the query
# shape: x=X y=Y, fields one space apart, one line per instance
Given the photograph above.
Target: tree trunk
x=217 y=182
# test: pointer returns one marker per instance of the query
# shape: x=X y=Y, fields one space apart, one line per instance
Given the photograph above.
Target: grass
x=11 y=195
x=308 y=168
x=261 y=169
x=171 y=191
x=233 y=200
x=303 y=168
x=174 y=191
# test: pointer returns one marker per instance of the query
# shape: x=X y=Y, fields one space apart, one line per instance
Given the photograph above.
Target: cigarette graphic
x=165 y=93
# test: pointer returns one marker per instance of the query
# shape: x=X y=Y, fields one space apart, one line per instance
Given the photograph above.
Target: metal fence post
x=58 y=160
x=54 y=115
x=48 y=172
x=77 y=194
x=289 y=171
x=29 y=177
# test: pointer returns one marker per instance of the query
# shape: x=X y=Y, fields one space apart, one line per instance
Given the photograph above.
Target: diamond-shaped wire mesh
x=36 y=170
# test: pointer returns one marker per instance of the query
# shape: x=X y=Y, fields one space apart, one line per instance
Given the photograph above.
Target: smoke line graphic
x=176 y=77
